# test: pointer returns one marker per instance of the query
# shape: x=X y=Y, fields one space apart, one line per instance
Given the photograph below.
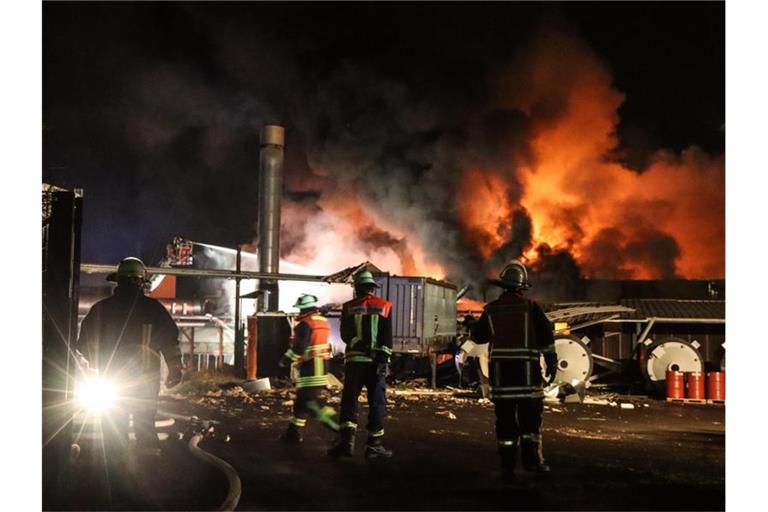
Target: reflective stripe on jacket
x=310 y=349
x=366 y=328
x=518 y=333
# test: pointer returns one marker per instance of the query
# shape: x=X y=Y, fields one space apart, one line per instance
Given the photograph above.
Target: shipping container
x=423 y=312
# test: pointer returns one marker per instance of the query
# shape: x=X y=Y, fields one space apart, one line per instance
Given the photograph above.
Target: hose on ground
x=235 y=487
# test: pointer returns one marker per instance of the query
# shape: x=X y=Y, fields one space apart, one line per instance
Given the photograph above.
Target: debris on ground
x=597 y=401
x=447 y=414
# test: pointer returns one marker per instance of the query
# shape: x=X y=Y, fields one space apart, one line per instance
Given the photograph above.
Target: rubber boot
x=508 y=461
x=532 y=457
x=345 y=445
x=292 y=435
x=374 y=449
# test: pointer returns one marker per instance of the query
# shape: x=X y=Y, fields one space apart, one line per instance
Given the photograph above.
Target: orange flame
x=666 y=221
x=578 y=198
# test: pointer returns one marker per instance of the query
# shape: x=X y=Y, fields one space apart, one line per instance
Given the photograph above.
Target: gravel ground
x=610 y=453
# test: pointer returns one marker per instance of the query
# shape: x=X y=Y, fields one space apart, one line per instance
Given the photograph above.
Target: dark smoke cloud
x=610 y=253
x=154 y=109
x=556 y=275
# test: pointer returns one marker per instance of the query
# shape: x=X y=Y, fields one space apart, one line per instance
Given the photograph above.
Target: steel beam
x=97 y=268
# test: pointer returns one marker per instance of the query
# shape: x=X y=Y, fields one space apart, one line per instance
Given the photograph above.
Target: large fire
x=664 y=221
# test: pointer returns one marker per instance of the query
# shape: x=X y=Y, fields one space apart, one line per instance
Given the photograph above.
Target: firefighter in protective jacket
x=366 y=328
x=310 y=351
x=519 y=333
x=123 y=336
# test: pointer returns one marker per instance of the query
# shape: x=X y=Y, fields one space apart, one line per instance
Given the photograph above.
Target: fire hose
x=235 y=487
x=233 y=479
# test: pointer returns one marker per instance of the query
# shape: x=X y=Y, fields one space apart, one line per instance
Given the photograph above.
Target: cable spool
x=668 y=354
x=574 y=360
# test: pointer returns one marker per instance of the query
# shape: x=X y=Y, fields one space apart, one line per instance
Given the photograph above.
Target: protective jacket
x=124 y=334
x=366 y=328
x=310 y=349
x=519 y=333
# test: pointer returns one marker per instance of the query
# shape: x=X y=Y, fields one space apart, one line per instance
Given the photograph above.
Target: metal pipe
x=270 y=193
x=97 y=268
x=645 y=332
x=239 y=363
x=666 y=320
x=220 y=362
x=192 y=348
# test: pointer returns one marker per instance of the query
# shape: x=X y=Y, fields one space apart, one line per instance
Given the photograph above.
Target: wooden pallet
x=687 y=400
x=716 y=402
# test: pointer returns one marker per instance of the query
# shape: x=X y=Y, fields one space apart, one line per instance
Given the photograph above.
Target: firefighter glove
x=381 y=360
x=382 y=369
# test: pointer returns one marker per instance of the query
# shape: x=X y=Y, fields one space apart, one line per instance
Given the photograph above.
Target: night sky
x=154 y=109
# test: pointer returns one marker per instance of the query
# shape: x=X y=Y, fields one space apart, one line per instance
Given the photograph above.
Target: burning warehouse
x=381 y=231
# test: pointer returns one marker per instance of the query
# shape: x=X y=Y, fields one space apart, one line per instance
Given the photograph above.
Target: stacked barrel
x=699 y=386
x=716 y=386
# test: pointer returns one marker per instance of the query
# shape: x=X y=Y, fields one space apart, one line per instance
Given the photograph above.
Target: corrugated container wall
x=423 y=312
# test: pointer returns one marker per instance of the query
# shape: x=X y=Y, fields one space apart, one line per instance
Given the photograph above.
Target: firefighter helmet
x=129 y=268
x=514 y=276
x=306 y=301
x=365 y=278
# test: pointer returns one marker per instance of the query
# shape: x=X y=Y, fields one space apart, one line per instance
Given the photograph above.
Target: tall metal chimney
x=270 y=193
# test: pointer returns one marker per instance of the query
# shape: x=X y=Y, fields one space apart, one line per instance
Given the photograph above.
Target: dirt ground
x=610 y=453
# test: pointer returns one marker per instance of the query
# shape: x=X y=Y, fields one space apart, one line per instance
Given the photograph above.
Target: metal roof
x=347 y=275
x=643 y=309
x=674 y=308
x=553 y=310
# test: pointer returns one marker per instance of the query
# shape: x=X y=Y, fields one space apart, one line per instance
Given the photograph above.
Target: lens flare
x=96 y=394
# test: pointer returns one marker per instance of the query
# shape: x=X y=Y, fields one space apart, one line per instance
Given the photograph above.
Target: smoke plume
x=429 y=155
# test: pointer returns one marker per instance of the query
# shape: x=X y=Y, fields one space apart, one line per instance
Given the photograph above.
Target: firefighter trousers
x=139 y=401
x=356 y=376
x=308 y=404
x=518 y=423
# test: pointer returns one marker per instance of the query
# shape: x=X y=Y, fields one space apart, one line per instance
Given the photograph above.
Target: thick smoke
x=441 y=155
x=527 y=173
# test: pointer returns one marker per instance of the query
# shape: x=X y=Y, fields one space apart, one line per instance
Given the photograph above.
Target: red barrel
x=675 y=384
x=694 y=387
x=716 y=385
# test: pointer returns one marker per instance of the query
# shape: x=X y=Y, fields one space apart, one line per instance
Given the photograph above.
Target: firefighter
x=123 y=337
x=310 y=350
x=366 y=328
x=519 y=333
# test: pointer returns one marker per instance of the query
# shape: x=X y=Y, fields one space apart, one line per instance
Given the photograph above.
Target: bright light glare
x=96 y=394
